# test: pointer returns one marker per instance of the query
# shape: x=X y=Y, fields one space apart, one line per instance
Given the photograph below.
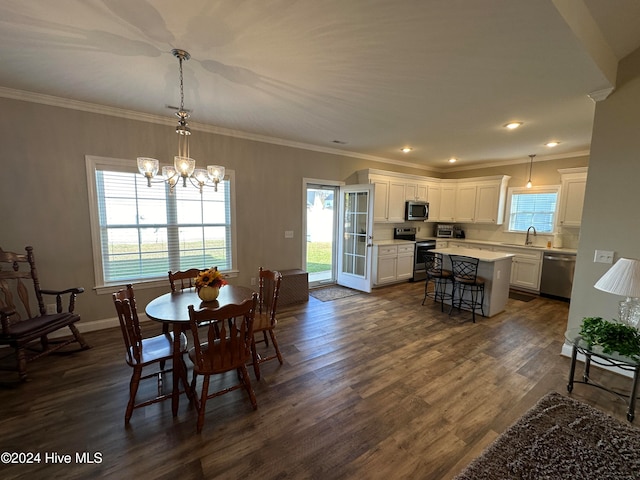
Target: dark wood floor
x=373 y=386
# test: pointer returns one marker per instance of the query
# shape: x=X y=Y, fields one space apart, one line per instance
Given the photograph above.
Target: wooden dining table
x=173 y=308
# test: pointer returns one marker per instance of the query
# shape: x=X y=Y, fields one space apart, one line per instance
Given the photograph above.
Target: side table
x=594 y=353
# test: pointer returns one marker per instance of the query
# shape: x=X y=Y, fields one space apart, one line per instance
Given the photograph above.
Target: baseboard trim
x=95 y=325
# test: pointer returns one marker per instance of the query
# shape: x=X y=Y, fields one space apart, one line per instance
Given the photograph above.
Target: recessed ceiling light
x=513 y=125
x=406 y=149
x=453 y=160
x=552 y=144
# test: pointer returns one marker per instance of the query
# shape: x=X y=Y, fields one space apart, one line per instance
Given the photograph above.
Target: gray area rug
x=327 y=294
x=561 y=438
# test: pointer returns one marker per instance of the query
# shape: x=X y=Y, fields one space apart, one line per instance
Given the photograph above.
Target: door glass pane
x=355 y=233
x=321 y=223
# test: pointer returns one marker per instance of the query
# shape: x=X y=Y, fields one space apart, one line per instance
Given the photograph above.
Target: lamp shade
x=623 y=278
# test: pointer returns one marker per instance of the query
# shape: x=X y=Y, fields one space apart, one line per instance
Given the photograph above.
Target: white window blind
x=537 y=208
x=145 y=232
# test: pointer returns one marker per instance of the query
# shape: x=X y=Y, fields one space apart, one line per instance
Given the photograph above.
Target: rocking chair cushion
x=32 y=328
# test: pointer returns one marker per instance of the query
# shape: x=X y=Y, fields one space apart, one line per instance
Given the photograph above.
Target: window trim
x=94 y=163
x=535 y=189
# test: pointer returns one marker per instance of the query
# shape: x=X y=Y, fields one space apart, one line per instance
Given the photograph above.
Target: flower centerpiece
x=208 y=283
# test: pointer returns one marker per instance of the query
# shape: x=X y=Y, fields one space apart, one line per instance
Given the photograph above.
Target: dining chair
x=265 y=318
x=440 y=278
x=186 y=278
x=145 y=352
x=225 y=347
x=465 y=278
x=181 y=280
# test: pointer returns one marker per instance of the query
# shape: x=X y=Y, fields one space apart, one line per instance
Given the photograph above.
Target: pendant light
x=183 y=165
x=529 y=184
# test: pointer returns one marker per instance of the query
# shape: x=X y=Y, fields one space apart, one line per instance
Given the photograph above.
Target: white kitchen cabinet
x=447 y=203
x=404 y=267
x=489 y=204
x=526 y=267
x=396 y=201
x=465 y=203
x=525 y=272
x=573 y=185
x=392 y=263
x=388 y=198
x=384 y=263
x=476 y=200
x=434 y=191
x=416 y=192
x=480 y=201
x=380 y=200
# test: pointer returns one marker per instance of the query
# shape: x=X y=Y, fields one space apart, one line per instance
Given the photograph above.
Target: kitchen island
x=494 y=267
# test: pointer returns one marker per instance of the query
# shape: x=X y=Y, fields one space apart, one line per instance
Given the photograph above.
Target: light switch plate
x=603 y=256
x=288 y=234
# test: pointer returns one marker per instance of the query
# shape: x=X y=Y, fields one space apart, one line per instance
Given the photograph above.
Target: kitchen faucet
x=527 y=241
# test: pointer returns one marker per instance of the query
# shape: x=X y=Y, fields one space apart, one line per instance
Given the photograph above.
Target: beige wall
x=610 y=219
x=44 y=191
x=544 y=172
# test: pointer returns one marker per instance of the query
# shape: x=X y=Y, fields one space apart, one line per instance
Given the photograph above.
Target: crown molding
x=54 y=101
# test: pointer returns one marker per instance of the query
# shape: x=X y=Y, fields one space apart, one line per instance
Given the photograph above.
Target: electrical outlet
x=253 y=281
x=603 y=256
x=288 y=234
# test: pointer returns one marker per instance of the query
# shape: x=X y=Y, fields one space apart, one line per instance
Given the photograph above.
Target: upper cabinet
x=416 y=192
x=474 y=200
x=389 y=198
x=481 y=200
x=573 y=183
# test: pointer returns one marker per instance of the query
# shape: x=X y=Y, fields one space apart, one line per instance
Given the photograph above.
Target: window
x=535 y=206
x=140 y=233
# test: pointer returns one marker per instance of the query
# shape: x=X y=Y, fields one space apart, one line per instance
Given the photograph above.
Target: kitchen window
x=140 y=233
x=535 y=206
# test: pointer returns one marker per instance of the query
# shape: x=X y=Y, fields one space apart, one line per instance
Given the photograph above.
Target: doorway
x=321 y=232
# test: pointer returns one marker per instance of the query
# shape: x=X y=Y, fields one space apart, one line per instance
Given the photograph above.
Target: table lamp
x=623 y=278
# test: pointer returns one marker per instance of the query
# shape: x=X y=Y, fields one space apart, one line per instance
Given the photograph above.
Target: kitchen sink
x=521 y=245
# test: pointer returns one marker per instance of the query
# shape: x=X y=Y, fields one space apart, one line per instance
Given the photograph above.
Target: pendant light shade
x=529 y=184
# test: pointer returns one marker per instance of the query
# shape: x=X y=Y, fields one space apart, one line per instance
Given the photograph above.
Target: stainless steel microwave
x=416 y=210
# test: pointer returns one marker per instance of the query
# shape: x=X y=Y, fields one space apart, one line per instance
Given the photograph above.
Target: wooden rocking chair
x=21 y=327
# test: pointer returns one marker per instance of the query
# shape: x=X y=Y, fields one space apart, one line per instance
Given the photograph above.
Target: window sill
x=147 y=284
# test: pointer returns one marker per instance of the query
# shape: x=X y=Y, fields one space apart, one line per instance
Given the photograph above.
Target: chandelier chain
x=181 y=87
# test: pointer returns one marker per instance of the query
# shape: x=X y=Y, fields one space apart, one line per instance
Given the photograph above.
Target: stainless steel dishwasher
x=557 y=274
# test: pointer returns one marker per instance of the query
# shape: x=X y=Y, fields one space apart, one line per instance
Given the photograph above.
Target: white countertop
x=503 y=244
x=392 y=242
x=482 y=255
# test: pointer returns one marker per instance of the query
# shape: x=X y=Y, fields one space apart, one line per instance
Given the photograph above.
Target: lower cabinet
x=525 y=272
x=526 y=264
x=404 y=269
x=392 y=263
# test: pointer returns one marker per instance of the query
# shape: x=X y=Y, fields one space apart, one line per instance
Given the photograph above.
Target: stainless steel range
x=422 y=246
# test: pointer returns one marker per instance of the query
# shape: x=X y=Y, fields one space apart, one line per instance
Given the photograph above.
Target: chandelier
x=184 y=167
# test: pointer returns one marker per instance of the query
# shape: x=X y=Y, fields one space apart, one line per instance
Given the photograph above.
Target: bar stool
x=465 y=278
x=440 y=278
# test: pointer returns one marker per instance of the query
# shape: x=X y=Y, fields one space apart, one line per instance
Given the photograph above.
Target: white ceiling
x=442 y=76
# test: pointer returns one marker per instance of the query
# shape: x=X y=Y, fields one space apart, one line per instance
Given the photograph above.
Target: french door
x=355 y=240
x=321 y=232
